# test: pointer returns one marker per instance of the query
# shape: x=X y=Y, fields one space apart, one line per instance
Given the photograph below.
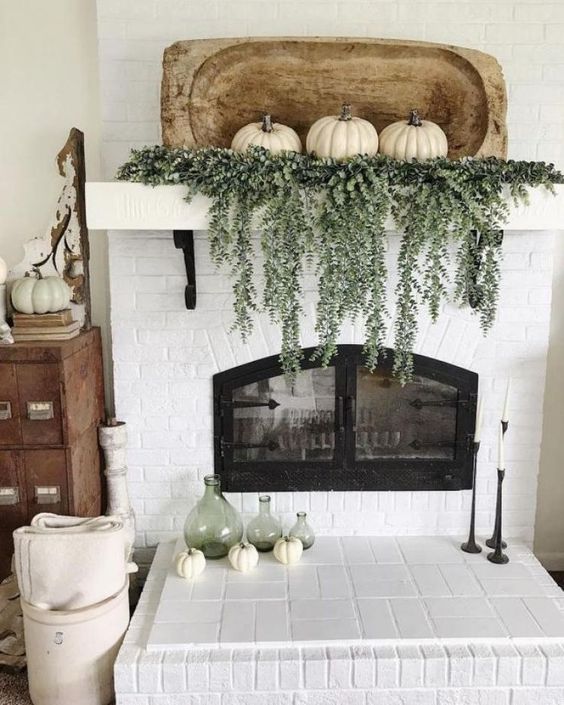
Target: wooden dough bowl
x=212 y=87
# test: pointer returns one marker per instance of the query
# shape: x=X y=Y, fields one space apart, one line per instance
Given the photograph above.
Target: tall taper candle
x=501 y=450
x=505 y=413
x=479 y=417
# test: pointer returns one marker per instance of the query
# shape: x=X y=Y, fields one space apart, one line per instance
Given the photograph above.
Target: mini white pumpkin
x=342 y=136
x=3 y=271
x=40 y=295
x=190 y=563
x=288 y=550
x=243 y=557
x=413 y=139
x=273 y=136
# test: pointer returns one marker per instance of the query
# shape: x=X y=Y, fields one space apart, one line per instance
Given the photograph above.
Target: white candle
x=505 y=414
x=501 y=456
x=479 y=416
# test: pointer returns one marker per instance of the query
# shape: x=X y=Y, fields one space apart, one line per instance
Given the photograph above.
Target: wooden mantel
x=130 y=206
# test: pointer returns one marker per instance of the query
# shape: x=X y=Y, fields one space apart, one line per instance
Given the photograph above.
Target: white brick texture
x=529 y=673
x=165 y=356
x=524 y=37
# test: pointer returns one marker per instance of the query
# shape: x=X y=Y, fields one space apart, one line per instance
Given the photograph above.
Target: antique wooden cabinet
x=51 y=403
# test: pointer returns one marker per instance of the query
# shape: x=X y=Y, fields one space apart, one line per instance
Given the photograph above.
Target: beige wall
x=549 y=527
x=48 y=84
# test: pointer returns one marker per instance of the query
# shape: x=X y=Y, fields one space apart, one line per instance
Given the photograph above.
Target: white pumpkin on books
x=40 y=294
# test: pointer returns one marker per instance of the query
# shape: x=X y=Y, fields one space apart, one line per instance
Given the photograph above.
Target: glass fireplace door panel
x=417 y=421
x=275 y=421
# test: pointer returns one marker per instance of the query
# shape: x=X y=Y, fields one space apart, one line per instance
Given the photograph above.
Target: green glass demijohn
x=303 y=531
x=265 y=529
x=214 y=525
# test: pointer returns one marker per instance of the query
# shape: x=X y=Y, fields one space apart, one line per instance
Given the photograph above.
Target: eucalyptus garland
x=334 y=214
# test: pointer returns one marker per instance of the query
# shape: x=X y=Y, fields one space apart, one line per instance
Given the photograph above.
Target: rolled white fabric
x=67 y=563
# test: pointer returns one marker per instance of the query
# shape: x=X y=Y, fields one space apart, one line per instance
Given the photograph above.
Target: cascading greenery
x=334 y=214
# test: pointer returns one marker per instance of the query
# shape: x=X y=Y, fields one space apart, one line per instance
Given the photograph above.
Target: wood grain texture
x=62 y=451
x=213 y=87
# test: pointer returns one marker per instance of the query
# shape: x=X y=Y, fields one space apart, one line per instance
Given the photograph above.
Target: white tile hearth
x=188 y=644
x=354 y=589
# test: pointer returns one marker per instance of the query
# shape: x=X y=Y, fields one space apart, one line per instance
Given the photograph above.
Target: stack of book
x=44 y=326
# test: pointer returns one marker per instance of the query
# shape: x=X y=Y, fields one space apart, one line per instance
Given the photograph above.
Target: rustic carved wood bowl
x=212 y=87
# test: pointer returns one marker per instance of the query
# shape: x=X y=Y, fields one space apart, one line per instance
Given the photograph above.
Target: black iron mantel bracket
x=184 y=240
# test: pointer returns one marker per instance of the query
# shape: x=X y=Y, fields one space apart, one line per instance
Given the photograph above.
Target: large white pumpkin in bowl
x=270 y=135
x=413 y=138
x=40 y=295
x=342 y=136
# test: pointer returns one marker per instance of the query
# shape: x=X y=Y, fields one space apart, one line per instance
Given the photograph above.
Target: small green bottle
x=303 y=531
x=214 y=525
x=264 y=530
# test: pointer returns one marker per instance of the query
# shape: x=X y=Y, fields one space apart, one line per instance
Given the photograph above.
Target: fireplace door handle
x=351 y=409
x=340 y=415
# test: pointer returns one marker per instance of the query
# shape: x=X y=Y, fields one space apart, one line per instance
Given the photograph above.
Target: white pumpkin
x=3 y=271
x=272 y=136
x=243 y=557
x=413 y=139
x=190 y=563
x=342 y=136
x=42 y=295
x=288 y=550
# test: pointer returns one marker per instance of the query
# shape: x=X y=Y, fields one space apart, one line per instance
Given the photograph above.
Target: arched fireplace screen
x=343 y=427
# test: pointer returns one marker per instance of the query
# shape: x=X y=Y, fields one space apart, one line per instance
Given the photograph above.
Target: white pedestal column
x=113 y=439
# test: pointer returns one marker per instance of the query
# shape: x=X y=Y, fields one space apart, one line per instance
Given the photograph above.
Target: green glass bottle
x=214 y=525
x=265 y=529
x=303 y=531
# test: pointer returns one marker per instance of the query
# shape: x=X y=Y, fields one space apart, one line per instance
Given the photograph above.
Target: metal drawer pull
x=9 y=495
x=39 y=410
x=5 y=410
x=48 y=495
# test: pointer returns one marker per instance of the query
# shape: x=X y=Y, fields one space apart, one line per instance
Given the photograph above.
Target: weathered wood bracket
x=184 y=240
x=64 y=250
x=475 y=293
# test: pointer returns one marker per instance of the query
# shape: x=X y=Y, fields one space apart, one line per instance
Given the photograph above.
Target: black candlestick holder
x=491 y=542
x=497 y=555
x=470 y=546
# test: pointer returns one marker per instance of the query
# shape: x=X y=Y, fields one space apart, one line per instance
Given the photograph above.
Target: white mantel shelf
x=130 y=206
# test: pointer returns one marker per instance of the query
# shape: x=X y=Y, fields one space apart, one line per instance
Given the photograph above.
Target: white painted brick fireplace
x=165 y=356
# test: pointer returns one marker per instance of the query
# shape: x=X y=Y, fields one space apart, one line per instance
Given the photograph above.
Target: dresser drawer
x=13 y=494
x=46 y=481
x=40 y=404
x=10 y=429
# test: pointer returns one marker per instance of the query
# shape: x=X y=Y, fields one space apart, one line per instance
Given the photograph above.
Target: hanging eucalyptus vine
x=334 y=213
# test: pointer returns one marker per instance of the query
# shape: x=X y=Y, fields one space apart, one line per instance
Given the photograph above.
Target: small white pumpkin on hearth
x=271 y=135
x=243 y=557
x=413 y=138
x=190 y=563
x=288 y=550
x=342 y=136
x=40 y=294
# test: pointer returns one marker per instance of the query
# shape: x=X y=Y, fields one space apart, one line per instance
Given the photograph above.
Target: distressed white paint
x=128 y=206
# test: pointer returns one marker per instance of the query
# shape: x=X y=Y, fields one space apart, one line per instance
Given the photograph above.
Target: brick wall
x=525 y=37
x=164 y=356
